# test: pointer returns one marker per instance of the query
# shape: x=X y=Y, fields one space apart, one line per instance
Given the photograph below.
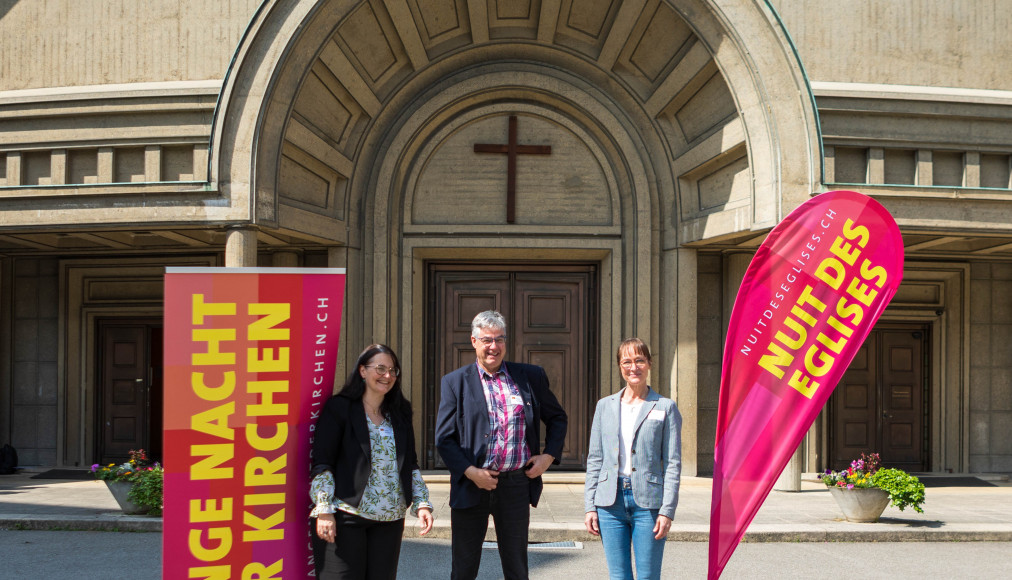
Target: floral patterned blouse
x=382 y=499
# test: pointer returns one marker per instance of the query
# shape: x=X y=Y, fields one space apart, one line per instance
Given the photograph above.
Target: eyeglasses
x=628 y=364
x=382 y=370
x=488 y=340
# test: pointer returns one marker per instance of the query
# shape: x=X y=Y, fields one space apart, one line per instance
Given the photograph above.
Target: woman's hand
x=661 y=527
x=425 y=520
x=326 y=527
x=590 y=521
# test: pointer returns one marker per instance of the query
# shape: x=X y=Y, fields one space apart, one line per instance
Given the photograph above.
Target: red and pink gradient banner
x=809 y=298
x=250 y=357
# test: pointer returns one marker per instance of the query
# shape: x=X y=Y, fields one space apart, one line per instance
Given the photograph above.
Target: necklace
x=373 y=412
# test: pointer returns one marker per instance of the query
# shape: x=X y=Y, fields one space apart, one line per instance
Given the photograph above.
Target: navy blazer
x=341 y=446
x=463 y=430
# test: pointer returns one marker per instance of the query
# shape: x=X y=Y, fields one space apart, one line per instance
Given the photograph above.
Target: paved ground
x=49 y=554
x=811 y=515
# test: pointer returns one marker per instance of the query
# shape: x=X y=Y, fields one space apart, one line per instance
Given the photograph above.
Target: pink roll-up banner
x=809 y=298
x=250 y=357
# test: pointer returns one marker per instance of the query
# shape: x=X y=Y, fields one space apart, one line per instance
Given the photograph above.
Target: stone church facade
x=595 y=169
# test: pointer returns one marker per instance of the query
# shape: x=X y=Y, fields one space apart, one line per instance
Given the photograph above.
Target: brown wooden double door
x=551 y=319
x=129 y=391
x=880 y=405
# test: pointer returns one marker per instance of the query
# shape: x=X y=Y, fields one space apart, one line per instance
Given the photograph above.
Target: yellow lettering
x=844 y=311
x=264 y=328
x=267 y=406
x=878 y=273
x=800 y=313
x=801 y=334
x=839 y=326
x=844 y=251
x=214 y=421
x=212 y=572
x=213 y=337
x=835 y=346
x=773 y=362
x=266 y=443
x=860 y=233
x=803 y=384
x=807 y=298
x=257 y=571
x=825 y=361
x=219 y=393
x=202 y=309
x=263 y=530
x=210 y=468
x=260 y=471
x=267 y=364
x=831 y=272
x=224 y=537
x=862 y=292
x=210 y=511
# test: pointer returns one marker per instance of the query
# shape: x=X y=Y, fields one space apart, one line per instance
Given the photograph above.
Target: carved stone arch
x=747 y=44
x=623 y=233
x=757 y=60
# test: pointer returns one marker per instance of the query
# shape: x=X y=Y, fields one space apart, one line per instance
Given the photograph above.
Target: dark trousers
x=509 y=504
x=364 y=550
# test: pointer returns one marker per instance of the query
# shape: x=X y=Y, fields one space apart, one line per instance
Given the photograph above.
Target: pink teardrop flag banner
x=809 y=298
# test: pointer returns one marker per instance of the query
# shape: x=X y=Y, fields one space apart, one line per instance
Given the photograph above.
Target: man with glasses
x=488 y=432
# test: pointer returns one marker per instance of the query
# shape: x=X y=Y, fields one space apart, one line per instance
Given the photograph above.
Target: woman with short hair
x=633 y=469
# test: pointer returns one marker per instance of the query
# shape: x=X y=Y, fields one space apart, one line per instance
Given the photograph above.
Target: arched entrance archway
x=336 y=116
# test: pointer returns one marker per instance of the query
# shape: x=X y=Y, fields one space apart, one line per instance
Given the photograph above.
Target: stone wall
x=35 y=389
x=990 y=367
x=710 y=335
x=64 y=43
x=958 y=43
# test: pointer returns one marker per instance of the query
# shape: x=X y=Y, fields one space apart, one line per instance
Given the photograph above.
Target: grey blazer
x=657 y=455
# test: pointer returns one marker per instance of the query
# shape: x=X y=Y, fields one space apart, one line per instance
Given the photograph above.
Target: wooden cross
x=511 y=150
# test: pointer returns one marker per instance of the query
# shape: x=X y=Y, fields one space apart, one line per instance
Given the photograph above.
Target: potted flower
x=864 y=489
x=136 y=484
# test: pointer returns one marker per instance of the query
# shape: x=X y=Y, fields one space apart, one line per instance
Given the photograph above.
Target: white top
x=626 y=434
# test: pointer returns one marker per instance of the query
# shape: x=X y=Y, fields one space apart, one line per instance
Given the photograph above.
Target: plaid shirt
x=507 y=449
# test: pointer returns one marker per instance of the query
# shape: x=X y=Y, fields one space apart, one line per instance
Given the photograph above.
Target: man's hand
x=661 y=527
x=538 y=464
x=484 y=478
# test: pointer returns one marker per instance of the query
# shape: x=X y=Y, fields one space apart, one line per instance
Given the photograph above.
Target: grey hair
x=487 y=319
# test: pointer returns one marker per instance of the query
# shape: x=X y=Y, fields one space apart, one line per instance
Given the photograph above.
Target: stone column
x=286 y=259
x=241 y=248
x=790 y=479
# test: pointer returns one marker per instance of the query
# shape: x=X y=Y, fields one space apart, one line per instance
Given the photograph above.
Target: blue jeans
x=626 y=524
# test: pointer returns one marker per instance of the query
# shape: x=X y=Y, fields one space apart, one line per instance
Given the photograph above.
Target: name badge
x=656 y=415
x=516 y=400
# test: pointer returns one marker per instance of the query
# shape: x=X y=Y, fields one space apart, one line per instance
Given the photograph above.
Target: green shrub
x=147 y=489
x=903 y=489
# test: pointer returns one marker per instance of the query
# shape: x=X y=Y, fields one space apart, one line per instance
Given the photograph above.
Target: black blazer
x=341 y=445
x=462 y=427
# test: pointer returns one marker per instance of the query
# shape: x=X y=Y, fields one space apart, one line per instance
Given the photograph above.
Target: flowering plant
x=146 y=476
x=904 y=489
x=859 y=474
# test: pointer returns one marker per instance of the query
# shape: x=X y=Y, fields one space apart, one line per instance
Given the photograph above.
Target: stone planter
x=861 y=504
x=120 y=490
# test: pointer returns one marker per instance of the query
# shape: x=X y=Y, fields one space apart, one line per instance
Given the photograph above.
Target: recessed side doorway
x=551 y=314
x=881 y=404
x=129 y=405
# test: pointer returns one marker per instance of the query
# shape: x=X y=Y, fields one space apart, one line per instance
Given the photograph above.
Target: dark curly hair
x=394 y=403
